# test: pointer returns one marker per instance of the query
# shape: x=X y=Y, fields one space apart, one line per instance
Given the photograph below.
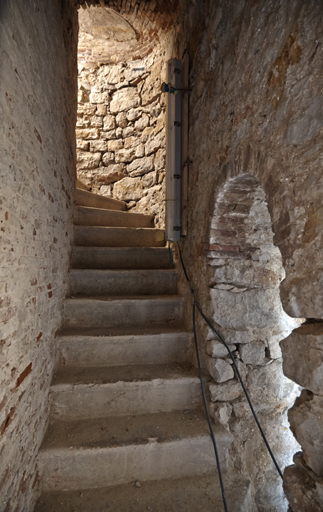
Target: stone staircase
x=127 y=431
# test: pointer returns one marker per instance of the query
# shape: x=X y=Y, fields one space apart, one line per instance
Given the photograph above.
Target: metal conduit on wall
x=173 y=152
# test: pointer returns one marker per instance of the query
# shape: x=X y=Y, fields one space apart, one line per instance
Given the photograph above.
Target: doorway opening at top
x=120 y=130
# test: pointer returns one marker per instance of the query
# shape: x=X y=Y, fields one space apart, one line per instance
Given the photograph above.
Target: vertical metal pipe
x=185 y=156
x=173 y=152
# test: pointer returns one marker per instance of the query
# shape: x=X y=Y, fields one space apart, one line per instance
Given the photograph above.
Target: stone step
x=84 y=198
x=110 y=451
x=190 y=494
x=80 y=392
x=118 y=237
x=122 y=282
x=121 y=330
x=110 y=312
x=120 y=257
x=162 y=348
x=85 y=216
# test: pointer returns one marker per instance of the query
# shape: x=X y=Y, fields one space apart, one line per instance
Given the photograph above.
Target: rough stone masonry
x=38 y=104
x=245 y=271
x=120 y=133
x=38 y=113
x=120 y=128
x=256 y=110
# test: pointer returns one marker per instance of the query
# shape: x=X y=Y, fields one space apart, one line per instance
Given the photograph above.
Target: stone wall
x=38 y=113
x=123 y=50
x=255 y=108
x=149 y=20
x=245 y=271
x=121 y=133
x=303 y=363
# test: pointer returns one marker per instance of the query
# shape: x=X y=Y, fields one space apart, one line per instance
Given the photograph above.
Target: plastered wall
x=37 y=147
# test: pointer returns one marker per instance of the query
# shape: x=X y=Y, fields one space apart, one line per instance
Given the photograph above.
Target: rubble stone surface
x=221 y=412
x=303 y=493
x=217 y=349
x=303 y=356
x=305 y=419
x=219 y=369
x=128 y=189
x=121 y=121
x=253 y=353
x=225 y=392
x=38 y=116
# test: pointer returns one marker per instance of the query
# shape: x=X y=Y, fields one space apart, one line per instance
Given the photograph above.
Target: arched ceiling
x=103 y=23
x=115 y=30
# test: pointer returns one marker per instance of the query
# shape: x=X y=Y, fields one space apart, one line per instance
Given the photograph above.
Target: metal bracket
x=187 y=162
x=173 y=152
x=172 y=90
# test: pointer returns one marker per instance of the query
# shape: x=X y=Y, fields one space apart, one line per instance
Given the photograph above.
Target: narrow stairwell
x=127 y=430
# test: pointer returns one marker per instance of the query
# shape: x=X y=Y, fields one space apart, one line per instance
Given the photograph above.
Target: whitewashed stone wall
x=245 y=270
x=37 y=148
x=120 y=133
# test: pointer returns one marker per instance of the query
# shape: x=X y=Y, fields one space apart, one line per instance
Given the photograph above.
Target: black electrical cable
x=207 y=412
x=170 y=255
x=233 y=361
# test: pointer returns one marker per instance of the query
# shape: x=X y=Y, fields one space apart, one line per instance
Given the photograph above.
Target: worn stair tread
x=127 y=430
x=124 y=298
x=89 y=216
x=129 y=373
x=84 y=395
x=190 y=494
x=127 y=272
x=120 y=257
x=85 y=198
x=102 y=236
x=161 y=348
x=104 y=311
x=88 y=282
x=119 y=331
x=109 y=334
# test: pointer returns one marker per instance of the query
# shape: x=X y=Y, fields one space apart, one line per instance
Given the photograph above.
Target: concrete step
x=120 y=257
x=85 y=216
x=84 y=198
x=118 y=237
x=110 y=312
x=98 y=351
x=110 y=451
x=95 y=392
x=122 y=282
x=190 y=494
x=121 y=330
